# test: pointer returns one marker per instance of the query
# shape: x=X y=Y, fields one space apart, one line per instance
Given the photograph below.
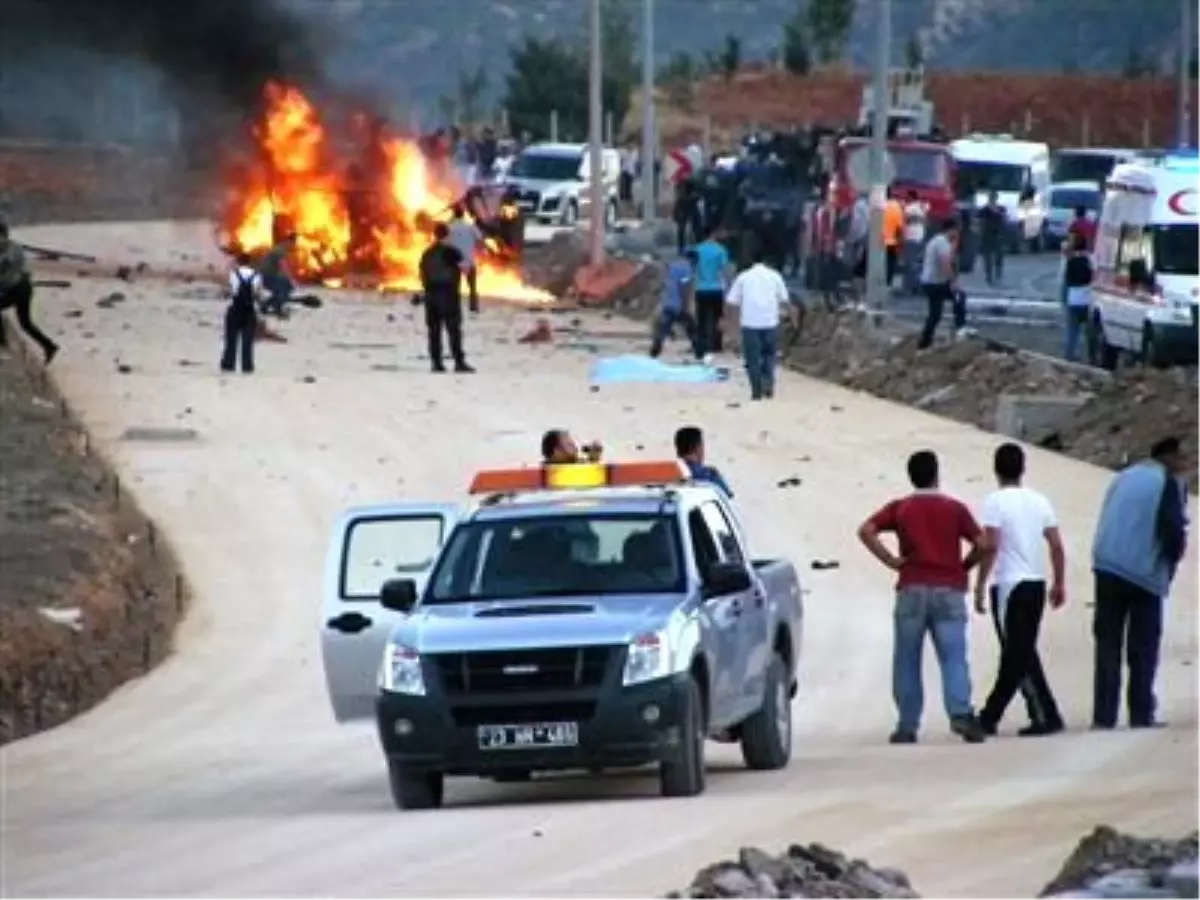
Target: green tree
x=797 y=57
x=914 y=51
x=829 y=23
x=731 y=56
x=552 y=76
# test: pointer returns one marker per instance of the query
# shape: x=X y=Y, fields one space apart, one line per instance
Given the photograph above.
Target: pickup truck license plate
x=516 y=737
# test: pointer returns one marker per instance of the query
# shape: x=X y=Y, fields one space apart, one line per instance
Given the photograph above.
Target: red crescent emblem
x=1178 y=204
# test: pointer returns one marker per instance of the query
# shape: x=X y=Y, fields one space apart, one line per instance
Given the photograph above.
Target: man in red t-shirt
x=1083 y=226
x=931 y=595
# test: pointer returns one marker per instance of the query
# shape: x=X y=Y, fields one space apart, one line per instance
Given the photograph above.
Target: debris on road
x=802 y=871
x=1117 y=416
x=1108 y=863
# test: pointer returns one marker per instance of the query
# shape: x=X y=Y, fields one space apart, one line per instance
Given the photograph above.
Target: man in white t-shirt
x=759 y=294
x=1019 y=524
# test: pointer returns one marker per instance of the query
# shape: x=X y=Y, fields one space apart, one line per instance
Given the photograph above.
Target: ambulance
x=1145 y=293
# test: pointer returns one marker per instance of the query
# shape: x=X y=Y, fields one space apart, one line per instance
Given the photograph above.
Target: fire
x=364 y=207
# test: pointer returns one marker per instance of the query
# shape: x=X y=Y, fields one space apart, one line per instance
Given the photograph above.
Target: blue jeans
x=1076 y=321
x=759 y=348
x=280 y=289
x=942 y=613
x=664 y=325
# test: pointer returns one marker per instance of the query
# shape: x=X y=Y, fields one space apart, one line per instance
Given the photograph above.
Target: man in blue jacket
x=689 y=447
x=1139 y=542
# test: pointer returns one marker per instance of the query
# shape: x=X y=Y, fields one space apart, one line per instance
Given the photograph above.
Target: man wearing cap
x=1140 y=539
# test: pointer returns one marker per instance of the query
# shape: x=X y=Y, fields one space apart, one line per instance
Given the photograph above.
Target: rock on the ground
x=802 y=871
x=1108 y=863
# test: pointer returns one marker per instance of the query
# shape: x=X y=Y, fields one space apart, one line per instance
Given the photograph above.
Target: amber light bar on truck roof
x=576 y=476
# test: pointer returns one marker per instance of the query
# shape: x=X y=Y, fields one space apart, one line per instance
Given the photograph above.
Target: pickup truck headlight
x=647 y=658
x=401 y=671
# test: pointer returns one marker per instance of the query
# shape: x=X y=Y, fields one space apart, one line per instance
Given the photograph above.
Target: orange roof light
x=575 y=476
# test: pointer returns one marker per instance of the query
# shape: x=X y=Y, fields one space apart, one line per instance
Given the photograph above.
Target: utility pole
x=596 y=141
x=649 y=201
x=880 y=107
x=1185 y=60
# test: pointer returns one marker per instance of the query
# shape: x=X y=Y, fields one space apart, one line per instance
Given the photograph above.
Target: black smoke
x=213 y=54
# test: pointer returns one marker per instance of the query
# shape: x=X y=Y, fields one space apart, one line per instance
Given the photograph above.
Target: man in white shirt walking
x=759 y=294
x=1017 y=522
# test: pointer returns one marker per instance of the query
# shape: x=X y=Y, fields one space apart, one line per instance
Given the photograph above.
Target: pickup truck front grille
x=467 y=715
x=522 y=671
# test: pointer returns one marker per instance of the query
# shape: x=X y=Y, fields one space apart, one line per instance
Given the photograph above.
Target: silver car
x=591 y=630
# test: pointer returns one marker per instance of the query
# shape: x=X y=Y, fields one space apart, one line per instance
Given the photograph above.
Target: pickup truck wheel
x=1102 y=354
x=683 y=776
x=1153 y=355
x=767 y=735
x=415 y=788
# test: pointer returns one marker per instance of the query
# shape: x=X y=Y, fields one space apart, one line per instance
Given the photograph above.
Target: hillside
x=418 y=45
x=1065 y=110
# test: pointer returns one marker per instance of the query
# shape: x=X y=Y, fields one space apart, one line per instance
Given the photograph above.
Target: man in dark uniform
x=16 y=292
x=442 y=267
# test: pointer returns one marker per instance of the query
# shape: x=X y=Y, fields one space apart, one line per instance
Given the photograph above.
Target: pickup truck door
x=753 y=644
x=719 y=615
x=369 y=546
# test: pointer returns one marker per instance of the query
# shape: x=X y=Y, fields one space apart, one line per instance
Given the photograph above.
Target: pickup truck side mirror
x=398 y=595
x=726 y=578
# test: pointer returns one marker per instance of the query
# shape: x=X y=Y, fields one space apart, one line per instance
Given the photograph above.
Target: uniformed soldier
x=16 y=292
x=442 y=266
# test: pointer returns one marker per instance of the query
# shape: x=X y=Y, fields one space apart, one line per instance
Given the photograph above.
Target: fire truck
x=917 y=161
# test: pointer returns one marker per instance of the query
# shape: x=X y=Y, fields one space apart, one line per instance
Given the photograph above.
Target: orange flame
x=373 y=218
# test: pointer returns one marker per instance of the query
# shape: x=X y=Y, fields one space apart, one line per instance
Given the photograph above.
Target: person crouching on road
x=275 y=278
x=16 y=292
x=931 y=595
x=1017 y=521
x=675 y=306
x=759 y=293
x=241 y=318
x=442 y=266
x=689 y=447
x=466 y=237
x=1078 y=280
x=1140 y=539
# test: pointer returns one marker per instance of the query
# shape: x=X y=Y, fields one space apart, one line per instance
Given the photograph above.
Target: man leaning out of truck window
x=689 y=447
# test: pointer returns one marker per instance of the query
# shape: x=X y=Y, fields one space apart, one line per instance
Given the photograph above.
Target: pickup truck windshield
x=563 y=556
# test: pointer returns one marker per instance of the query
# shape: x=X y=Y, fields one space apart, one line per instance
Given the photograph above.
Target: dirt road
x=222 y=773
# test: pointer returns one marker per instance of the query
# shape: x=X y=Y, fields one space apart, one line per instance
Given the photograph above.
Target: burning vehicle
x=362 y=201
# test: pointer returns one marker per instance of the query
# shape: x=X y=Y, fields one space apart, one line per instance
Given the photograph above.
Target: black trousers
x=20 y=298
x=710 y=310
x=891 y=258
x=937 y=295
x=1127 y=618
x=1017 y=626
x=240 y=328
x=472 y=280
x=443 y=310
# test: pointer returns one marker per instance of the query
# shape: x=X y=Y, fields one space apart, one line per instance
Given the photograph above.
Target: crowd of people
x=1139 y=542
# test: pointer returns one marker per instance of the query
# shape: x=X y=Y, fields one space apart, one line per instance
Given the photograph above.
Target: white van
x=1144 y=299
x=1018 y=171
x=553 y=181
